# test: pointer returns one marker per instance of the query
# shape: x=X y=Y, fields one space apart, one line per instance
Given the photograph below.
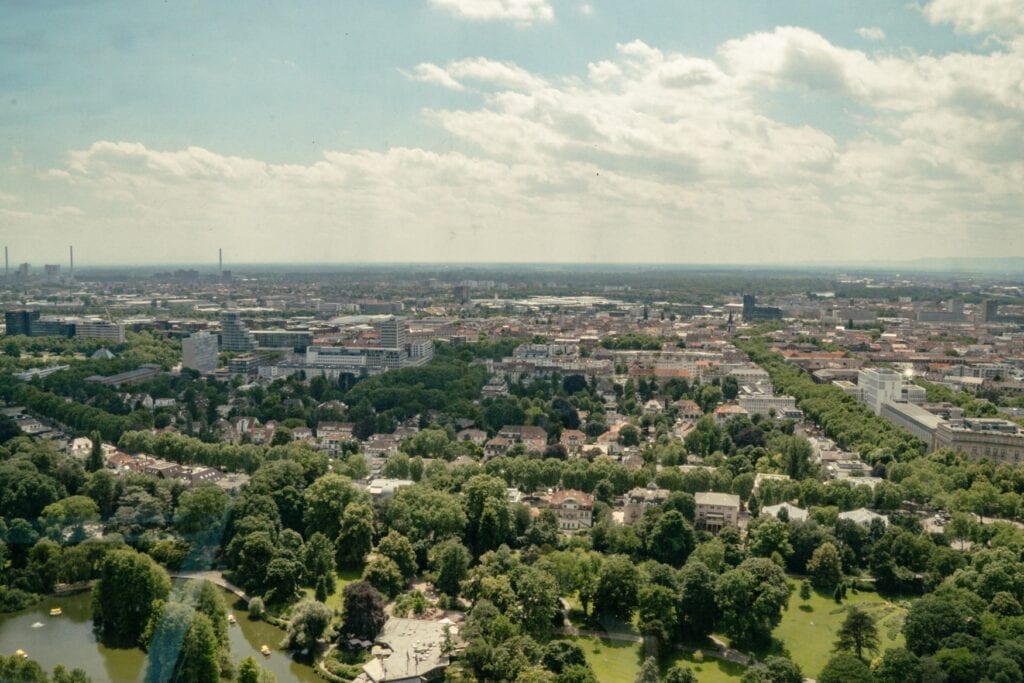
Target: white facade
x=199 y=352
x=879 y=385
x=99 y=329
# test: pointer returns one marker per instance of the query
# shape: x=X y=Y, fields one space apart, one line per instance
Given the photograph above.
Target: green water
x=69 y=640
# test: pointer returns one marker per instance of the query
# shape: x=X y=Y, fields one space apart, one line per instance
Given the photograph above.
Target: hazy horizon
x=497 y=131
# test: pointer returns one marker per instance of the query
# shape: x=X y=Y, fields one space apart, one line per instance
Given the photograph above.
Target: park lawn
x=615 y=661
x=808 y=629
x=343 y=578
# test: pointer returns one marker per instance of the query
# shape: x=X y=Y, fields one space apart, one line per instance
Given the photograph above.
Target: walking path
x=213 y=577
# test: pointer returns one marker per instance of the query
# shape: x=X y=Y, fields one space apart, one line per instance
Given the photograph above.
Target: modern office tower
x=991 y=310
x=51 y=271
x=749 y=303
x=53 y=327
x=234 y=335
x=392 y=333
x=23 y=271
x=20 y=322
x=461 y=294
x=99 y=329
x=199 y=351
x=879 y=385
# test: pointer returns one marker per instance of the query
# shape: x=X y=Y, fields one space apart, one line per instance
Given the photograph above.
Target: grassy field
x=344 y=577
x=808 y=629
x=619 y=662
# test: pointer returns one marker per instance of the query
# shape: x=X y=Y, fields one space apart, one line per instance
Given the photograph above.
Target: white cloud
x=522 y=12
x=648 y=155
x=1001 y=17
x=431 y=73
x=871 y=33
x=586 y=9
x=504 y=74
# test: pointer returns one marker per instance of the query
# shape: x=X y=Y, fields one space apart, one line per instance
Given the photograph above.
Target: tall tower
x=71 y=257
x=7 y=264
x=220 y=261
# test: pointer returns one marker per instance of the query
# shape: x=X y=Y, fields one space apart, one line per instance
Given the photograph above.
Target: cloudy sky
x=733 y=131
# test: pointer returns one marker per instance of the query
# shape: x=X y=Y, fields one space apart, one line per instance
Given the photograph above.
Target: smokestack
x=220 y=261
x=7 y=264
x=71 y=253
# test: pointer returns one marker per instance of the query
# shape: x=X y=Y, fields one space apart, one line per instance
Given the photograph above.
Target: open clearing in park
x=808 y=629
x=807 y=632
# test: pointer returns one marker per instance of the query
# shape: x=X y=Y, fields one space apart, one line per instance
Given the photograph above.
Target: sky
x=734 y=131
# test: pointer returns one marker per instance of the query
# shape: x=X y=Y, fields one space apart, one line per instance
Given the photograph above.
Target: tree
x=618 y=588
x=96 y=461
x=899 y=665
x=767 y=535
x=537 y=597
x=325 y=501
x=680 y=674
x=318 y=558
x=384 y=575
x=696 y=609
x=629 y=436
x=199 y=658
x=398 y=548
x=939 y=615
x=450 y=562
x=750 y=599
x=123 y=596
x=773 y=670
x=309 y=620
x=672 y=539
x=825 y=567
x=201 y=509
x=845 y=669
x=355 y=538
x=657 y=609
x=489 y=522
x=561 y=654
x=251 y=672
x=648 y=671
x=208 y=601
x=858 y=633
x=364 y=610
x=282 y=437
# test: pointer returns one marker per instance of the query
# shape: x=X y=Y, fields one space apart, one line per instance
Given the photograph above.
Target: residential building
x=792 y=512
x=640 y=499
x=913 y=418
x=715 y=511
x=574 y=509
x=199 y=352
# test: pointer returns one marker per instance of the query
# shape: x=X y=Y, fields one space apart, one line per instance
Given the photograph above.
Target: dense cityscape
x=512 y=341
x=511 y=474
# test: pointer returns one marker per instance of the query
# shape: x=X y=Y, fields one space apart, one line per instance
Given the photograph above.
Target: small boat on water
x=265 y=650
x=231 y=619
x=21 y=653
x=56 y=612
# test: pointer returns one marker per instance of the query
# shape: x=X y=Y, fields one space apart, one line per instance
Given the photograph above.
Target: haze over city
x=513 y=131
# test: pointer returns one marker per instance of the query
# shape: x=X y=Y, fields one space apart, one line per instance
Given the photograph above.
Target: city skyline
x=513 y=131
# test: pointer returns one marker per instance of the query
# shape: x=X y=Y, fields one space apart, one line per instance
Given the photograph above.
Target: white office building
x=199 y=352
x=878 y=385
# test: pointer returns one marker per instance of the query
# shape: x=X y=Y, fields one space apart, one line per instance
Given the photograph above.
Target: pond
x=69 y=640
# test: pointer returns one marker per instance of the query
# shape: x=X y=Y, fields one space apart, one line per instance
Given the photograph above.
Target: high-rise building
x=199 y=351
x=878 y=386
x=20 y=322
x=234 y=335
x=749 y=304
x=393 y=333
x=991 y=310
